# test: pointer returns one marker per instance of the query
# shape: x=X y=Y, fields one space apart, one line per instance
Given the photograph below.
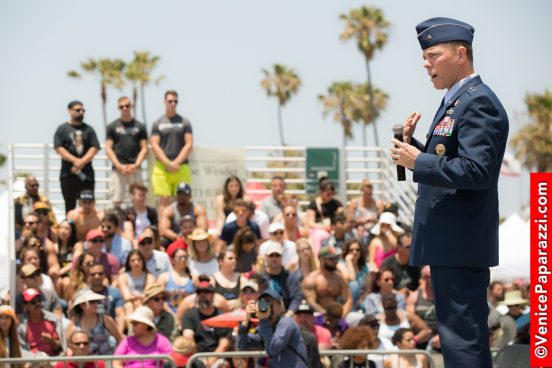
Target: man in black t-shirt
x=207 y=339
x=126 y=146
x=77 y=144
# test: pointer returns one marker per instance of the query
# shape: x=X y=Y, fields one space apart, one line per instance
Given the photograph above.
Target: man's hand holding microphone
x=402 y=153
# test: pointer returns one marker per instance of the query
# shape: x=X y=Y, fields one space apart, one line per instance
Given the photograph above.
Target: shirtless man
x=86 y=217
x=326 y=285
x=169 y=226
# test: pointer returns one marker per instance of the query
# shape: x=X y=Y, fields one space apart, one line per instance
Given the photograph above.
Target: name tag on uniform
x=444 y=127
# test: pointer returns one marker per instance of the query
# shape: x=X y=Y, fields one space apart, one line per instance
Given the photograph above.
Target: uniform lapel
x=444 y=106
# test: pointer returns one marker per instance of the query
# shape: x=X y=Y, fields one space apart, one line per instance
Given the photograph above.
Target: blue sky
x=212 y=52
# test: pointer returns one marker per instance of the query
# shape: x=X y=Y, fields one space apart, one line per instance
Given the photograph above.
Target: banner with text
x=541 y=345
x=210 y=166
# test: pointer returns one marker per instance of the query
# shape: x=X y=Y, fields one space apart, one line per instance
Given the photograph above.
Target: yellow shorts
x=164 y=183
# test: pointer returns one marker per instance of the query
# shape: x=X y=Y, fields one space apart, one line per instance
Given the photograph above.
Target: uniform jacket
x=456 y=217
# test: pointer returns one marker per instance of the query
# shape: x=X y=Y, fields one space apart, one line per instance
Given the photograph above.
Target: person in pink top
x=145 y=341
x=384 y=244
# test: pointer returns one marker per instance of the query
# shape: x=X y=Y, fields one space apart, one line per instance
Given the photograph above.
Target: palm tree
x=110 y=72
x=339 y=102
x=351 y=104
x=367 y=25
x=138 y=72
x=533 y=143
x=282 y=83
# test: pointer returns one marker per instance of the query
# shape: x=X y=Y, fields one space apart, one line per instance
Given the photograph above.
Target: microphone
x=398 y=134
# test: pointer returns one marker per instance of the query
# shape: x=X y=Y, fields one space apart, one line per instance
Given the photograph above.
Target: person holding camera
x=277 y=334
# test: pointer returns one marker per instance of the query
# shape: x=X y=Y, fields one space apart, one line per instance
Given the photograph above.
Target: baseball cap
x=275 y=226
x=271 y=293
x=205 y=286
x=329 y=252
x=86 y=195
x=40 y=205
x=304 y=307
x=250 y=284
x=183 y=188
x=94 y=233
x=28 y=270
x=273 y=247
x=179 y=243
x=30 y=294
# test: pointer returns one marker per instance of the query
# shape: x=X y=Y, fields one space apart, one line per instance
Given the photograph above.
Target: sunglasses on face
x=79 y=110
x=127 y=106
x=42 y=213
x=97 y=240
x=30 y=223
x=181 y=258
x=274 y=255
x=107 y=227
x=278 y=232
x=158 y=298
x=146 y=242
x=81 y=343
x=35 y=301
x=36 y=274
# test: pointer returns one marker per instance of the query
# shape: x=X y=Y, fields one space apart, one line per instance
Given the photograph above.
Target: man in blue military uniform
x=456 y=218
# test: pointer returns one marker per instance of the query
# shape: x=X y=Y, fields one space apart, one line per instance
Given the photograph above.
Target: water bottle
x=81 y=175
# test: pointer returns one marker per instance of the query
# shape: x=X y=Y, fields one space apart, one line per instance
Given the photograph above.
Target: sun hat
x=85 y=296
x=514 y=297
x=28 y=270
x=153 y=290
x=390 y=219
x=198 y=234
x=143 y=315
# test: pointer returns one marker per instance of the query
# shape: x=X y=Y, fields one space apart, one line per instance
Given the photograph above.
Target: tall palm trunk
x=134 y=98
x=281 y=125
x=104 y=103
x=143 y=102
x=371 y=96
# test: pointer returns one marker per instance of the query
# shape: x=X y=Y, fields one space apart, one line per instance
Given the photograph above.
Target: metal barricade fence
x=107 y=359
x=258 y=354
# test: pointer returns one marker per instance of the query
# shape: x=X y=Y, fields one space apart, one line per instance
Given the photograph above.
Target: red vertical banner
x=541 y=266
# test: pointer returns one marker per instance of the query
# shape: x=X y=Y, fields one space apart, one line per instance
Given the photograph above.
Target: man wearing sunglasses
x=126 y=147
x=77 y=144
x=24 y=203
x=79 y=342
x=171 y=143
x=39 y=329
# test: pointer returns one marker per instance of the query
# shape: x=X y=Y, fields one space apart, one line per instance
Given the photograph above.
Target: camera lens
x=263 y=305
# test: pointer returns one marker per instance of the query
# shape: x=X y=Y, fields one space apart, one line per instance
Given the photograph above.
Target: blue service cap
x=439 y=30
x=271 y=293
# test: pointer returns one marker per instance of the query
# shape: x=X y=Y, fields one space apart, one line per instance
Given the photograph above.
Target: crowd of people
x=133 y=279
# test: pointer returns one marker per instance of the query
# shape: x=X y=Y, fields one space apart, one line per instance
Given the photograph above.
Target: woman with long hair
x=177 y=282
x=365 y=209
x=307 y=260
x=383 y=285
x=245 y=249
x=9 y=339
x=224 y=203
x=78 y=277
x=227 y=281
x=134 y=280
x=202 y=255
x=86 y=315
x=355 y=269
x=68 y=248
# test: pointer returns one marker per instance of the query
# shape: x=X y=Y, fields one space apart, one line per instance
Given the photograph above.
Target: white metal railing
x=258 y=354
x=262 y=162
x=161 y=360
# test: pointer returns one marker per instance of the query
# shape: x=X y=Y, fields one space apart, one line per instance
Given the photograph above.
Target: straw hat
x=143 y=315
x=28 y=270
x=198 y=234
x=514 y=297
x=390 y=219
x=85 y=296
x=153 y=290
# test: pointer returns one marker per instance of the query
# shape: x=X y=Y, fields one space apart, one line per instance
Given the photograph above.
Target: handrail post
x=46 y=176
x=11 y=229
